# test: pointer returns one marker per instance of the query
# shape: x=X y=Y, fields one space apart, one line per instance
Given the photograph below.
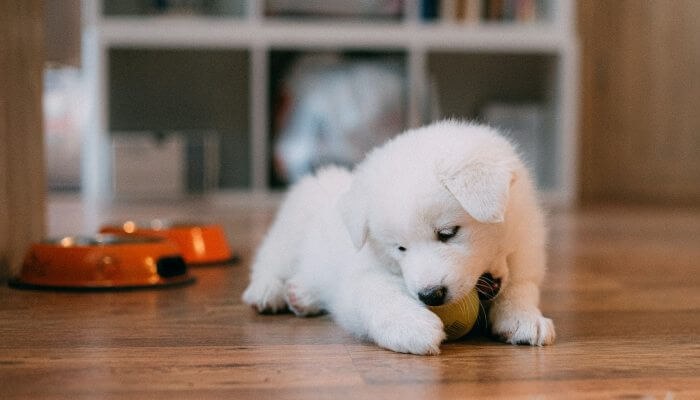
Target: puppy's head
x=431 y=205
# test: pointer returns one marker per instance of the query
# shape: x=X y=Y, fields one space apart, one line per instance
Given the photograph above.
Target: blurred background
x=152 y=100
x=162 y=99
x=214 y=96
x=217 y=95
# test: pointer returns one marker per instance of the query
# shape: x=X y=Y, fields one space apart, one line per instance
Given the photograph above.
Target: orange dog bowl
x=199 y=244
x=102 y=262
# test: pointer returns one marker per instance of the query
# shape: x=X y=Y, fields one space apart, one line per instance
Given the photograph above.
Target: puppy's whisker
x=486 y=283
x=486 y=317
x=474 y=309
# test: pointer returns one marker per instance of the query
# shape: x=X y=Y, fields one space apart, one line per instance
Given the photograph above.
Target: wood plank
x=640 y=129
x=22 y=182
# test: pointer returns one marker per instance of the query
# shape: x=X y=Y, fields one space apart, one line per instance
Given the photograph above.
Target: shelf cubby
x=283 y=60
x=467 y=83
x=178 y=90
x=153 y=8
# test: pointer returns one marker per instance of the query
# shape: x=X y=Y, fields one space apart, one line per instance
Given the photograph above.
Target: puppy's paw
x=522 y=327
x=301 y=301
x=418 y=332
x=266 y=296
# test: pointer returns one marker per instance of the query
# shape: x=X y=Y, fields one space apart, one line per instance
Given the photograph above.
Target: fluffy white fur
x=334 y=245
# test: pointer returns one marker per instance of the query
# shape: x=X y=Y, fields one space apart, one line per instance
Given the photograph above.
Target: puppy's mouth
x=488 y=287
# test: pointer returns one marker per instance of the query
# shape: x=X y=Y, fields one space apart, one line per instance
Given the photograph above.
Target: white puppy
x=418 y=221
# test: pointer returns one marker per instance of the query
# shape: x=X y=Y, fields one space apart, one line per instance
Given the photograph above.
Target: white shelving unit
x=258 y=35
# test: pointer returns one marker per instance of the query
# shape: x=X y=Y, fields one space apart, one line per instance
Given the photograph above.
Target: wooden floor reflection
x=623 y=289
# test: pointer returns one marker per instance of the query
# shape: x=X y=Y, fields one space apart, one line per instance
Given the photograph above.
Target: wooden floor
x=623 y=290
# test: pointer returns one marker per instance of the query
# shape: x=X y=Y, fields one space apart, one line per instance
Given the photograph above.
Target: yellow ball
x=459 y=316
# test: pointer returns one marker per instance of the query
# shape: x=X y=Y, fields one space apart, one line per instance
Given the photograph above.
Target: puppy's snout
x=433 y=296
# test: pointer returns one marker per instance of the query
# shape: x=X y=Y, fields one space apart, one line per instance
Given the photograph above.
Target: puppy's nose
x=433 y=296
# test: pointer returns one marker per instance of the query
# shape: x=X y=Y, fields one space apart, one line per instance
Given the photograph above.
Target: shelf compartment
x=330 y=107
x=151 y=8
x=516 y=88
x=335 y=9
x=162 y=90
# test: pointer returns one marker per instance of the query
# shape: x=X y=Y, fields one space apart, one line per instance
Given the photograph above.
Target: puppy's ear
x=481 y=188
x=352 y=206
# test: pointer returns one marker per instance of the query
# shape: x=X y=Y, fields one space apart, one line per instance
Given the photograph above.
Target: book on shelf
x=429 y=10
x=474 y=11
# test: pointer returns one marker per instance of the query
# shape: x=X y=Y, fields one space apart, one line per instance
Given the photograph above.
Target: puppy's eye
x=446 y=234
x=401 y=248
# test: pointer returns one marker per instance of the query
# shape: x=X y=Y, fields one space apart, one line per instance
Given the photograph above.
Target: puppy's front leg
x=515 y=315
x=375 y=304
